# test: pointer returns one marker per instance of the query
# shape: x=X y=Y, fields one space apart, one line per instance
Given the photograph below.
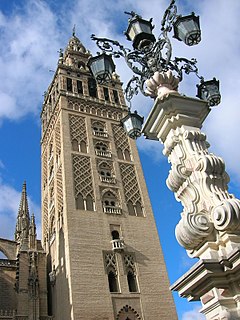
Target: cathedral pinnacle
x=23 y=219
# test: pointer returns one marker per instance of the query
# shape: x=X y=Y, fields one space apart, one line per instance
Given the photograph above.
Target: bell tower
x=98 y=230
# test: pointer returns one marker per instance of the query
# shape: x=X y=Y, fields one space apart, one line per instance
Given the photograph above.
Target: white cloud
x=27 y=39
x=193 y=315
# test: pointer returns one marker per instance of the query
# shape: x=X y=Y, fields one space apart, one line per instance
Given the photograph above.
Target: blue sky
x=31 y=33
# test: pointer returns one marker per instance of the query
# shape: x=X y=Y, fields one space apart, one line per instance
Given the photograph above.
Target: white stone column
x=209 y=228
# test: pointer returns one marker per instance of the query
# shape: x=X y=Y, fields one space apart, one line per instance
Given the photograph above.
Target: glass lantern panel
x=109 y=66
x=186 y=27
x=132 y=33
x=128 y=125
x=97 y=67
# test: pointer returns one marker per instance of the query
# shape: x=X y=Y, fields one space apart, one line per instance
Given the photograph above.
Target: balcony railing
x=108 y=179
x=7 y=314
x=8 y=263
x=100 y=134
x=112 y=210
x=117 y=244
x=106 y=154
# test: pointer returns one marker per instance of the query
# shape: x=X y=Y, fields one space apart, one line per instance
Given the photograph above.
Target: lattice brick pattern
x=129 y=261
x=44 y=168
x=58 y=138
x=110 y=261
x=59 y=189
x=82 y=176
x=77 y=128
x=45 y=217
x=120 y=137
x=130 y=184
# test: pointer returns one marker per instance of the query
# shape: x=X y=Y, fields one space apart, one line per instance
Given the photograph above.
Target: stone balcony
x=112 y=210
x=106 y=154
x=101 y=134
x=111 y=180
x=117 y=244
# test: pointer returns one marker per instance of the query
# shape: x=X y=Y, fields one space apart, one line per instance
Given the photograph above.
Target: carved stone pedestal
x=216 y=283
x=209 y=228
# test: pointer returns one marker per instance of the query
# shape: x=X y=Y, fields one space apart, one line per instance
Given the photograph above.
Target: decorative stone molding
x=226 y=216
x=161 y=84
x=197 y=177
x=192 y=229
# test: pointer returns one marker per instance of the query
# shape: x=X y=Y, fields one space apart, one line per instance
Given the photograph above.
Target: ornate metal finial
x=60 y=52
x=74 y=30
x=132 y=14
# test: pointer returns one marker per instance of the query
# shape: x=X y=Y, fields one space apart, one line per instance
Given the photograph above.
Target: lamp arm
x=133 y=86
x=107 y=45
x=170 y=15
x=180 y=65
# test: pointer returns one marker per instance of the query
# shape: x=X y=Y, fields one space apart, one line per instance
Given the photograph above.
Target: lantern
x=132 y=124
x=187 y=29
x=102 y=67
x=139 y=31
x=209 y=91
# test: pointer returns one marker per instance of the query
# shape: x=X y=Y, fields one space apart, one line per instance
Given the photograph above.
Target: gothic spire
x=23 y=219
x=32 y=233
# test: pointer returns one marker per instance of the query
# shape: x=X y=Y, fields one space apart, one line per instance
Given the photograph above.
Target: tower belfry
x=98 y=230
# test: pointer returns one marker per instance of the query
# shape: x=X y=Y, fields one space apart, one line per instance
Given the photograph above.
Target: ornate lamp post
x=209 y=228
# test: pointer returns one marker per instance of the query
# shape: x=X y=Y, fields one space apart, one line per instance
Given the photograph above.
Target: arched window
x=120 y=154
x=101 y=146
x=115 y=235
x=132 y=284
x=139 y=210
x=99 y=129
x=92 y=87
x=127 y=155
x=75 y=146
x=80 y=202
x=110 y=203
x=83 y=146
x=89 y=203
x=102 y=150
x=131 y=210
x=81 y=65
x=69 y=84
x=112 y=281
x=79 y=87
x=105 y=172
x=106 y=94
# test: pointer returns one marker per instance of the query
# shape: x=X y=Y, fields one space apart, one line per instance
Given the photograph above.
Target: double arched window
x=135 y=209
x=110 y=203
x=79 y=146
x=112 y=281
x=99 y=129
x=102 y=149
x=84 y=203
x=106 y=172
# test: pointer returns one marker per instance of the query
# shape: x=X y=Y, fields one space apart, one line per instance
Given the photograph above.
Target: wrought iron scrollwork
x=156 y=56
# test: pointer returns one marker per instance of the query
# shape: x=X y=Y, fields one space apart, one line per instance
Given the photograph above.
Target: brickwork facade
x=103 y=246
x=101 y=257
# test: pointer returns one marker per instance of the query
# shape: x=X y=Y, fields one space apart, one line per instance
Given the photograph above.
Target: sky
x=31 y=34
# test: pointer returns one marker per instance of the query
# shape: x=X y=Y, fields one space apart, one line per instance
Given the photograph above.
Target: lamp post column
x=209 y=228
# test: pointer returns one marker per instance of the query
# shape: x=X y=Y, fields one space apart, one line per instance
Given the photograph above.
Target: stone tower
x=98 y=230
